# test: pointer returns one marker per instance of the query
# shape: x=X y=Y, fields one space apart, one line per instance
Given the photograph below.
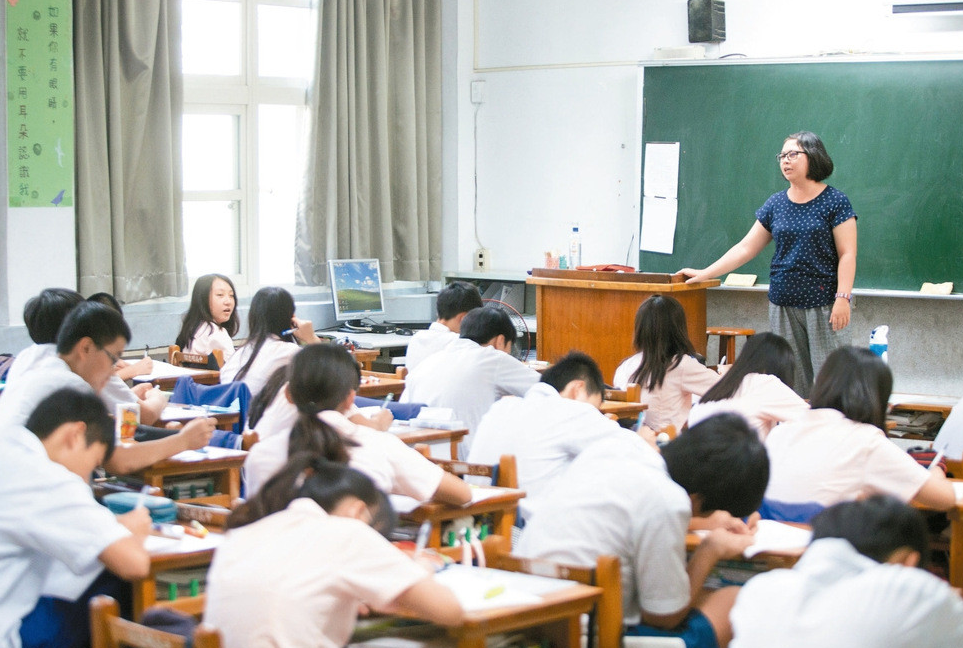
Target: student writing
x=325 y=560
x=664 y=365
x=323 y=380
x=758 y=385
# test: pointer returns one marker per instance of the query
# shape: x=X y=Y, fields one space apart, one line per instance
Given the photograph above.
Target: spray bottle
x=878 y=342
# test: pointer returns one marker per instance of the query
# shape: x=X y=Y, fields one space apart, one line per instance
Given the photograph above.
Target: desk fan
x=522 y=343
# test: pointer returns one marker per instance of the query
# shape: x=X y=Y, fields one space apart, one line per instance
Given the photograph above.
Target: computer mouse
x=403 y=331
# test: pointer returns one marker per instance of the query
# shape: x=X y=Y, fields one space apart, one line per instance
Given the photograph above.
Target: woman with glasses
x=813 y=267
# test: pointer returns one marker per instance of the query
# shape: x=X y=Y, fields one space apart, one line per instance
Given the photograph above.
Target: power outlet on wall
x=483 y=259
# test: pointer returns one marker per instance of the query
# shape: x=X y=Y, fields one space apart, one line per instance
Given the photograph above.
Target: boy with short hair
x=473 y=372
x=453 y=303
x=620 y=497
x=89 y=342
x=555 y=421
x=857 y=585
x=42 y=316
x=49 y=515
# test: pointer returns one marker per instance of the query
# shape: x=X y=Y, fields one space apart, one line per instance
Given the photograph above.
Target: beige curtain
x=373 y=179
x=129 y=96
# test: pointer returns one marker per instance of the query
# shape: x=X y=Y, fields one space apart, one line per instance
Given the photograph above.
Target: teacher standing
x=812 y=270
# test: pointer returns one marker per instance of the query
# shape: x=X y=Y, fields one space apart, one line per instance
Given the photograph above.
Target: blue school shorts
x=695 y=630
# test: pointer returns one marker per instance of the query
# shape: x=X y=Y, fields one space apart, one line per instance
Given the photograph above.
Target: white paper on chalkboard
x=658 y=224
x=661 y=175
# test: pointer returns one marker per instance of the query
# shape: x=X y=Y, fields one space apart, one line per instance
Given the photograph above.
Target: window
x=247 y=65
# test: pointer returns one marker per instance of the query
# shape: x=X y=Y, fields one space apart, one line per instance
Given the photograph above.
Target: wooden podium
x=594 y=312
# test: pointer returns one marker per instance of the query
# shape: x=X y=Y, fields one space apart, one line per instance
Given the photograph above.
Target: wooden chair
x=503 y=474
x=631 y=394
x=400 y=373
x=605 y=621
x=727 y=340
x=249 y=439
x=108 y=630
x=180 y=358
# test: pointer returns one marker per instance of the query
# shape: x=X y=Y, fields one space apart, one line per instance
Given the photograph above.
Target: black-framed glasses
x=113 y=359
x=790 y=155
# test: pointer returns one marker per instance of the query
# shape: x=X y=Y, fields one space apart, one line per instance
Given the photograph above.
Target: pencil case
x=161 y=509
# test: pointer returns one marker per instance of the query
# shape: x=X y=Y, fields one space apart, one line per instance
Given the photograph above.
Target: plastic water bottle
x=878 y=342
x=575 y=249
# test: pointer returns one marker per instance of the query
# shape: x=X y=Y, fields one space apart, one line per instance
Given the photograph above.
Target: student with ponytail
x=313 y=416
x=324 y=523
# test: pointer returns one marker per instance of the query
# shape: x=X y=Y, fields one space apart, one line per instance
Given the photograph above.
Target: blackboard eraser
x=944 y=288
x=741 y=280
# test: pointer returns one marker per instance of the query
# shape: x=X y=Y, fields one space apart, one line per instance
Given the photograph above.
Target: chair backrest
x=109 y=630
x=504 y=473
x=606 y=617
x=178 y=358
x=399 y=374
x=188 y=392
x=631 y=394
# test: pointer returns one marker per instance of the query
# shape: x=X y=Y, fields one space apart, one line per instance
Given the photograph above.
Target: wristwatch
x=847 y=296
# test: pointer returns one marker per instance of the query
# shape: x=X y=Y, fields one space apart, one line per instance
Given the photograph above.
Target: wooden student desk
x=555 y=619
x=503 y=505
x=223 y=464
x=185 y=553
x=412 y=435
x=622 y=409
x=955 y=517
x=381 y=387
x=185 y=413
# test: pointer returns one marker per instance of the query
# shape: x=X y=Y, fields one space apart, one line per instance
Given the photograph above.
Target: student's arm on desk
x=718 y=545
x=131 y=458
x=127 y=557
x=936 y=492
x=452 y=490
x=429 y=600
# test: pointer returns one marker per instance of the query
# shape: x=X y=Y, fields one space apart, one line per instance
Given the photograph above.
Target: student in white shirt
x=48 y=514
x=470 y=374
x=453 y=303
x=273 y=333
x=858 y=584
x=758 y=385
x=211 y=320
x=838 y=450
x=323 y=380
x=42 y=316
x=620 y=497
x=664 y=365
x=89 y=342
x=556 y=420
x=325 y=561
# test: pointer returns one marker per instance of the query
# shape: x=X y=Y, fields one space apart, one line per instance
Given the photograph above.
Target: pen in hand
x=387 y=400
x=142 y=496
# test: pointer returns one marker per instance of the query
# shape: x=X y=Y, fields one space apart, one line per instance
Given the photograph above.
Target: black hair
x=763 y=353
x=482 y=325
x=308 y=475
x=876 y=527
x=106 y=299
x=722 y=460
x=575 y=366
x=662 y=338
x=272 y=311
x=457 y=297
x=199 y=311
x=820 y=164
x=44 y=313
x=320 y=378
x=102 y=324
x=259 y=404
x=71 y=406
x=856 y=382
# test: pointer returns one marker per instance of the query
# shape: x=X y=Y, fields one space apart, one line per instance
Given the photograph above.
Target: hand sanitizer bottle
x=878 y=342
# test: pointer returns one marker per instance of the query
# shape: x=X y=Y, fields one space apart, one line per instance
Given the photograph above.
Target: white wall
x=558 y=135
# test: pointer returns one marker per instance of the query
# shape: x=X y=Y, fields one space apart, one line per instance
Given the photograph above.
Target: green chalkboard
x=893 y=129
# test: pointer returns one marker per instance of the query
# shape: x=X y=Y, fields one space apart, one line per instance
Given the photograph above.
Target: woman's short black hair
x=856 y=382
x=876 y=527
x=820 y=164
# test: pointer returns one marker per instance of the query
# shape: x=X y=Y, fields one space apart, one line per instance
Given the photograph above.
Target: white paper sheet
x=661 y=175
x=658 y=224
x=776 y=536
